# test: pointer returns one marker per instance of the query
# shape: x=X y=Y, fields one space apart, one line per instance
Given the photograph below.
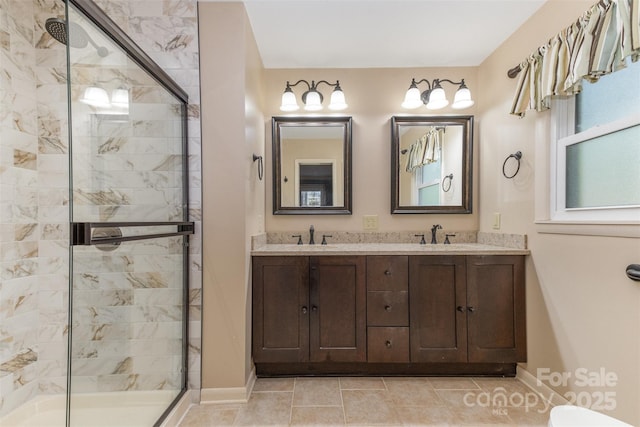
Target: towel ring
x=260 y=166
x=517 y=155
x=444 y=181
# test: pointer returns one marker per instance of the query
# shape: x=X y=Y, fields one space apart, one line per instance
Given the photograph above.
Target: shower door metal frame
x=81 y=231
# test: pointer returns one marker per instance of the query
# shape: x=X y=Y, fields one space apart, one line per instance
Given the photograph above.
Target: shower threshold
x=130 y=409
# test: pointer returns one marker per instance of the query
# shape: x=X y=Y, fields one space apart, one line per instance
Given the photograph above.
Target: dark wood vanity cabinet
x=338 y=309
x=387 y=309
x=388 y=314
x=309 y=309
x=496 y=312
x=467 y=309
x=280 y=309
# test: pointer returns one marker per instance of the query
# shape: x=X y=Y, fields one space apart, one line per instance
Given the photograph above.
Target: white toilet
x=576 y=416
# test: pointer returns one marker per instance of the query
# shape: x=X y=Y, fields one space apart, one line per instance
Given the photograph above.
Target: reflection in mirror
x=431 y=164
x=312 y=165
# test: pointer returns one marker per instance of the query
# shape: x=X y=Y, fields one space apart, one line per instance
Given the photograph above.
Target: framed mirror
x=431 y=164
x=311 y=165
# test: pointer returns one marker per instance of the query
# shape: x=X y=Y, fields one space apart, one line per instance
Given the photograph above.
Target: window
x=596 y=160
x=428 y=183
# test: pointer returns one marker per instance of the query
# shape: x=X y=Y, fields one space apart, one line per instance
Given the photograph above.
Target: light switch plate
x=370 y=222
x=496 y=221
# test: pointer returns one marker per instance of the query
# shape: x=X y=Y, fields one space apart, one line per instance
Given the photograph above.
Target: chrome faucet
x=311 y=230
x=434 y=230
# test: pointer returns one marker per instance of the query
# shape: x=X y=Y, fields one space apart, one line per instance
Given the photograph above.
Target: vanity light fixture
x=434 y=97
x=311 y=98
x=96 y=97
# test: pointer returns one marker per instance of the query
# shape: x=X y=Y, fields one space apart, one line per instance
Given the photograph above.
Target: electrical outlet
x=496 y=221
x=370 y=222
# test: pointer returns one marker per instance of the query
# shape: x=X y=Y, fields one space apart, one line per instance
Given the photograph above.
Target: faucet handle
x=324 y=238
x=422 y=241
x=446 y=238
x=299 y=236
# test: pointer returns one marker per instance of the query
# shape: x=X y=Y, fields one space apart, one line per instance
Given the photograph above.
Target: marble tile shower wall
x=34 y=188
x=167 y=30
x=127 y=317
x=33 y=204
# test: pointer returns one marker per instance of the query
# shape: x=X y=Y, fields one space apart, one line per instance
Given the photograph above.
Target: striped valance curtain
x=426 y=149
x=598 y=43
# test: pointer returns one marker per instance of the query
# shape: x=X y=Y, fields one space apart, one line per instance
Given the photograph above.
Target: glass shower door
x=127 y=352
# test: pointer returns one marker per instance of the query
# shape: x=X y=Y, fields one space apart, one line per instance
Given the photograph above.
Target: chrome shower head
x=79 y=38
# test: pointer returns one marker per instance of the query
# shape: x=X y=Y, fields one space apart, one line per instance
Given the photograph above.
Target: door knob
x=314 y=308
x=471 y=309
x=304 y=309
x=388 y=344
x=387 y=308
x=387 y=273
x=460 y=308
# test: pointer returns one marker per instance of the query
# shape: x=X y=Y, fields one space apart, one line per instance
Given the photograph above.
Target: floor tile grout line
x=293 y=396
x=344 y=410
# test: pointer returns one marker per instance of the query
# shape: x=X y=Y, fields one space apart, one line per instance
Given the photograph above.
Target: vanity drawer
x=387 y=273
x=386 y=345
x=387 y=308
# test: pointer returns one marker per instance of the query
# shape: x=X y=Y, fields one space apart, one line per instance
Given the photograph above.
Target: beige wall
x=233 y=197
x=582 y=311
x=374 y=96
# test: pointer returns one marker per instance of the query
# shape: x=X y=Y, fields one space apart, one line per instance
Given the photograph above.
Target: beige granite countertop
x=385 y=249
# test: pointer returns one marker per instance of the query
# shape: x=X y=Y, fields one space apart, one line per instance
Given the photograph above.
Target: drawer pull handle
x=471 y=309
x=388 y=344
x=387 y=273
x=304 y=309
x=387 y=308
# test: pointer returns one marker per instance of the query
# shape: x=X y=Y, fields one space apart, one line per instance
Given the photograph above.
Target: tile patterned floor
x=397 y=401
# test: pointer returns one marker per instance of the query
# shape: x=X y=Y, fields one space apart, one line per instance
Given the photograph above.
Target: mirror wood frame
x=277 y=124
x=467 y=163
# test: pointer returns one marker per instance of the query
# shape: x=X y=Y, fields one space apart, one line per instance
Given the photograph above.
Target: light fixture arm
x=449 y=81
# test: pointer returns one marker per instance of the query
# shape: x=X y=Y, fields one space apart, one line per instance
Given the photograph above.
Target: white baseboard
x=230 y=394
x=542 y=389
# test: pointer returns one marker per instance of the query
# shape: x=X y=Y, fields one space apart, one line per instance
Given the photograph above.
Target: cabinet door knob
x=460 y=308
x=387 y=308
x=388 y=344
x=471 y=309
x=304 y=309
x=387 y=273
x=314 y=308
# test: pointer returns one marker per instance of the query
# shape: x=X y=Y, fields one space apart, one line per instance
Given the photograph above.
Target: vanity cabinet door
x=496 y=309
x=280 y=309
x=338 y=309
x=437 y=301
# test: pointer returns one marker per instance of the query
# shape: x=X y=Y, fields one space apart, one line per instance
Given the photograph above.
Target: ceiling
x=382 y=33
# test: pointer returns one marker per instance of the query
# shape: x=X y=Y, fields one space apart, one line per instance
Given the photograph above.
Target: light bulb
x=312 y=101
x=412 y=98
x=96 y=97
x=289 y=102
x=337 y=100
x=437 y=98
x=462 y=98
x=120 y=98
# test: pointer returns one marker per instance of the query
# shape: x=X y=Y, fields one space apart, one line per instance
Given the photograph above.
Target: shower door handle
x=84 y=233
